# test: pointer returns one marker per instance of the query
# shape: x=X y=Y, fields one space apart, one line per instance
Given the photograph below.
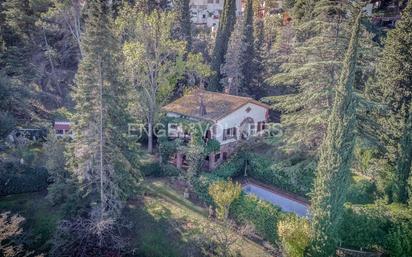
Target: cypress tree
x=247 y=55
x=184 y=23
x=226 y=24
x=393 y=88
x=231 y=69
x=333 y=172
x=259 y=59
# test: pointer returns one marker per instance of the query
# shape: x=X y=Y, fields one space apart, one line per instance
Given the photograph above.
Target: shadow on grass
x=170 y=195
x=40 y=218
x=155 y=234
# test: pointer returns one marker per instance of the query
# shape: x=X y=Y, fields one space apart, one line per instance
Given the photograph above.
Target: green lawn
x=168 y=224
x=162 y=223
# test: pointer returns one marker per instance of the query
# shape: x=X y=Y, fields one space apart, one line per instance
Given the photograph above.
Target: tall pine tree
x=226 y=24
x=97 y=158
x=310 y=72
x=333 y=172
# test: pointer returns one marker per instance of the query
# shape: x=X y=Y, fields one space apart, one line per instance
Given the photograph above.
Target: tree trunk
x=150 y=136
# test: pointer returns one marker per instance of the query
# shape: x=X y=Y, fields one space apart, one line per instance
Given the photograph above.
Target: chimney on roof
x=230 y=88
x=202 y=106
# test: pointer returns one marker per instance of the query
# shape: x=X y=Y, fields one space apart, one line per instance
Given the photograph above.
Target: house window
x=217 y=1
x=224 y=156
x=229 y=133
x=217 y=157
x=60 y=131
x=261 y=125
x=252 y=128
x=210 y=1
x=248 y=109
x=173 y=126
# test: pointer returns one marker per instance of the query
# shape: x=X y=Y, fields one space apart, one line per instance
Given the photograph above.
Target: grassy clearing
x=40 y=217
x=163 y=223
x=168 y=224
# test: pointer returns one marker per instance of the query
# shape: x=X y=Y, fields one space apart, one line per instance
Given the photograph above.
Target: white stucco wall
x=257 y=113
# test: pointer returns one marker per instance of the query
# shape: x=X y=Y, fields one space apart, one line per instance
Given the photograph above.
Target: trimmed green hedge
x=263 y=215
x=290 y=176
x=17 y=179
x=378 y=226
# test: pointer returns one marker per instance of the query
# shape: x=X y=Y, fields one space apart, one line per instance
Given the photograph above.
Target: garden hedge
x=293 y=177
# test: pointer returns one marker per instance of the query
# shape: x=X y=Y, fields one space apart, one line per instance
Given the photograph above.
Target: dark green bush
x=155 y=169
x=231 y=168
x=363 y=227
x=169 y=170
x=151 y=169
x=399 y=239
x=201 y=186
x=292 y=176
x=378 y=226
x=361 y=192
x=263 y=215
x=16 y=179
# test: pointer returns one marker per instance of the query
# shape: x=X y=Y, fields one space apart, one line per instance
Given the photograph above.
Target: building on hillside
x=207 y=12
x=63 y=129
x=232 y=119
x=385 y=13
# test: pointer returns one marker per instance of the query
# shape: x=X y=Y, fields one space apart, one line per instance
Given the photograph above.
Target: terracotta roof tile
x=218 y=105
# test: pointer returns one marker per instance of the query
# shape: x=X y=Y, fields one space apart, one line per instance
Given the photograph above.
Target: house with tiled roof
x=232 y=118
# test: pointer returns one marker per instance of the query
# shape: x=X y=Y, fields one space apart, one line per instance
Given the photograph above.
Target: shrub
x=151 y=169
x=223 y=194
x=294 y=235
x=399 y=240
x=155 y=169
x=201 y=186
x=378 y=226
x=7 y=123
x=361 y=191
x=231 y=168
x=292 y=176
x=363 y=227
x=16 y=179
x=169 y=170
x=263 y=215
